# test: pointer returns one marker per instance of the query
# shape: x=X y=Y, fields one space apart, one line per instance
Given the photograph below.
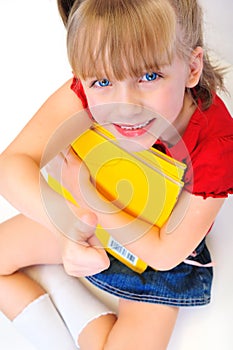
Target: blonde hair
x=121 y=38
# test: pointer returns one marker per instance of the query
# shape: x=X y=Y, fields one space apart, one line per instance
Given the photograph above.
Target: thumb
x=87 y=220
x=76 y=223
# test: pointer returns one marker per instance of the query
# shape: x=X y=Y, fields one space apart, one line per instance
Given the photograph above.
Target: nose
x=126 y=93
x=127 y=102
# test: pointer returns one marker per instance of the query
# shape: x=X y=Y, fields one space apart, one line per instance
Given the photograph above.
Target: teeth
x=134 y=127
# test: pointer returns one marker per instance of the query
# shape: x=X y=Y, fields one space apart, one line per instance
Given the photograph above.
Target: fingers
x=86 y=221
x=71 y=155
x=54 y=167
x=83 y=256
x=80 y=260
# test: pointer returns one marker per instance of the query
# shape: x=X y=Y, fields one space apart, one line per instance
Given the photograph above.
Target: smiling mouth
x=128 y=127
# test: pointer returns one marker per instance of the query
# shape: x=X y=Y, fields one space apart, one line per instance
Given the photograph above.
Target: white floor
x=33 y=64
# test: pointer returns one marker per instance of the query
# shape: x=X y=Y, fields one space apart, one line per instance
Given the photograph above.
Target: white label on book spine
x=122 y=251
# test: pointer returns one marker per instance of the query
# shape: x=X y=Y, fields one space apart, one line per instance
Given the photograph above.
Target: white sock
x=78 y=306
x=74 y=301
x=42 y=325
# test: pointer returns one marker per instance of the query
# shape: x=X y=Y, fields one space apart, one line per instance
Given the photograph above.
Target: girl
x=147 y=54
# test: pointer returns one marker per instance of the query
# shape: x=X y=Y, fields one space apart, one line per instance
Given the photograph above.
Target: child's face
x=131 y=108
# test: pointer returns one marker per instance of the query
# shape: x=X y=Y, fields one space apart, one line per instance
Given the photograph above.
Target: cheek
x=99 y=108
x=100 y=112
x=95 y=109
x=90 y=94
x=90 y=100
x=170 y=102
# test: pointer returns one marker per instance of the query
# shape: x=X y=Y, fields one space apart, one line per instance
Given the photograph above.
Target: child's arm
x=174 y=245
x=160 y=248
x=20 y=163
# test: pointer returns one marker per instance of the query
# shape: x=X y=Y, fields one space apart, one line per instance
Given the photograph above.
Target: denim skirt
x=184 y=285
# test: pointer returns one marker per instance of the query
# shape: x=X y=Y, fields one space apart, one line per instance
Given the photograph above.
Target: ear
x=195 y=67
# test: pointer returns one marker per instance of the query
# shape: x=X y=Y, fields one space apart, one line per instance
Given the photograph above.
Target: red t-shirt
x=208 y=150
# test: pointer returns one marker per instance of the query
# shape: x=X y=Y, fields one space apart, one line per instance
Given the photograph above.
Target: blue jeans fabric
x=184 y=285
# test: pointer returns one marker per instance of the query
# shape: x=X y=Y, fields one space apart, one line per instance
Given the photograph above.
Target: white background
x=33 y=64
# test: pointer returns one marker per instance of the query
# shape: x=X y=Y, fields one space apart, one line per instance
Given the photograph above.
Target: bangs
x=118 y=39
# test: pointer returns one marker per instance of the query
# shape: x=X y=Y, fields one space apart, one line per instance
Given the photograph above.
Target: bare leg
x=95 y=334
x=23 y=243
x=16 y=292
x=139 y=326
x=142 y=325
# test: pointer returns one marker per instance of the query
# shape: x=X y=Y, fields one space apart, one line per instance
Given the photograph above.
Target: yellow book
x=146 y=183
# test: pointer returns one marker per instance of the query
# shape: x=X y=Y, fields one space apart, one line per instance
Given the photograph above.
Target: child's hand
x=65 y=169
x=83 y=256
x=82 y=259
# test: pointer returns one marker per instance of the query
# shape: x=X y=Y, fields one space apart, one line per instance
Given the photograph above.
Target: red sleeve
x=77 y=87
x=211 y=173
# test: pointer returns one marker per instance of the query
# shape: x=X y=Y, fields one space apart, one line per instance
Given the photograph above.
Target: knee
x=99 y=328
x=7 y=268
x=9 y=261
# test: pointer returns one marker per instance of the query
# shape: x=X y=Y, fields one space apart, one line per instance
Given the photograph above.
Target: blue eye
x=102 y=83
x=150 y=76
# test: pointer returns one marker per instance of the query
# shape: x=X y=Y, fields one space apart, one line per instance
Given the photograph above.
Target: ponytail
x=64 y=8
